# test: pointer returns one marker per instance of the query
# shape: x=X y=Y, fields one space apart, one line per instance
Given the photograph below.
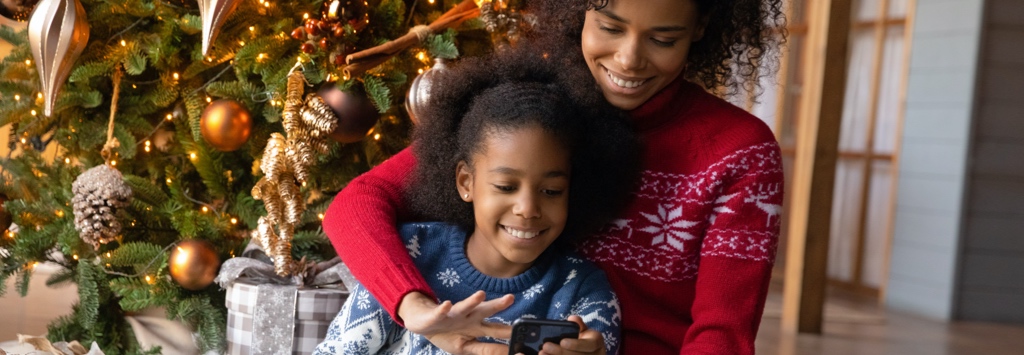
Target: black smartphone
x=529 y=335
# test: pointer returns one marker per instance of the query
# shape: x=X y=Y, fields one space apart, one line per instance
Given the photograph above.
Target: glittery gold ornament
x=214 y=13
x=226 y=125
x=419 y=92
x=193 y=264
x=355 y=113
x=17 y=10
x=285 y=164
x=57 y=32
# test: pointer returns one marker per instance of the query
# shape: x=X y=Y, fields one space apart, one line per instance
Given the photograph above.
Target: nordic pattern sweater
x=558 y=284
x=690 y=258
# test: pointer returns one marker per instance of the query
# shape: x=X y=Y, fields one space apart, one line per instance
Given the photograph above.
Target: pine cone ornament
x=99 y=192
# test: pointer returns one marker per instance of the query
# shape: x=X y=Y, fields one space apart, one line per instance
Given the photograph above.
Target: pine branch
x=379 y=93
x=443 y=45
x=144 y=190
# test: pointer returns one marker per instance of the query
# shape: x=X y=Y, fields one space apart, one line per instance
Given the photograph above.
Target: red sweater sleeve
x=736 y=258
x=362 y=225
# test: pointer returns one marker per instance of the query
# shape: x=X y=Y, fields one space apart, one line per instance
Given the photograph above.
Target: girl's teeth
x=624 y=83
x=520 y=234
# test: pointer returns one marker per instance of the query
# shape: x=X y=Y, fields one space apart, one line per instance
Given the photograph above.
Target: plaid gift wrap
x=313 y=308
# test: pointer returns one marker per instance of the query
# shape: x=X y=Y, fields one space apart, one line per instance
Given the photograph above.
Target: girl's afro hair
x=510 y=89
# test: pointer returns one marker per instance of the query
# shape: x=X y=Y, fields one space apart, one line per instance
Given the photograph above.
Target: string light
x=67 y=160
x=176 y=76
x=33 y=112
x=321 y=216
x=24 y=141
x=241 y=43
x=431 y=1
x=252 y=28
x=113 y=163
x=266 y=4
x=123 y=43
x=420 y=71
x=234 y=220
x=376 y=137
x=305 y=16
x=192 y=156
x=39 y=96
x=206 y=209
x=108 y=254
x=149 y=280
x=17 y=97
x=422 y=56
x=60 y=213
x=75 y=256
x=168 y=181
x=170 y=117
x=209 y=99
x=261 y=56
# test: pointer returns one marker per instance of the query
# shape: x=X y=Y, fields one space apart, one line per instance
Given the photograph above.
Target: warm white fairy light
x=123 y=43
x=176 y=76
x=192 y=156
x=206 y=209
x=170 y=117
x=234 y=220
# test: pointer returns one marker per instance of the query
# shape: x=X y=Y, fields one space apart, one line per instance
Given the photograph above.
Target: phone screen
x=529 y=335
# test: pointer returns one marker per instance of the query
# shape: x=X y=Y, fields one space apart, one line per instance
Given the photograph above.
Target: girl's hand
x=455 y=327
x=589 y=342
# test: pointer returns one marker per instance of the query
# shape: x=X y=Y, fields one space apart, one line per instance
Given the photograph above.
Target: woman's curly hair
x=516 y=88
x=740 y=45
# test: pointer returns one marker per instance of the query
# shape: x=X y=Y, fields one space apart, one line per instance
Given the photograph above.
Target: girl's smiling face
x=519 y=186
x=634 y=48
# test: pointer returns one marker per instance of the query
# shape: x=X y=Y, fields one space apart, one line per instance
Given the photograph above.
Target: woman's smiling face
x=635 y=48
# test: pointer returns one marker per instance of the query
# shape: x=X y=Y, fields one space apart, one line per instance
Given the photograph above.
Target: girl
x=691 y=256
x=522 y=178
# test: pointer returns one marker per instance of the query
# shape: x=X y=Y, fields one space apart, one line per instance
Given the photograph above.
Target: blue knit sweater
x=557 y=286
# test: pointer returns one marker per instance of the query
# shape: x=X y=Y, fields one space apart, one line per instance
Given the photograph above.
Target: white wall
x=934 y=164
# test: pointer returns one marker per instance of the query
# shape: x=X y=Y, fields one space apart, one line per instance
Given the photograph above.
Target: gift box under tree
x=270 y=314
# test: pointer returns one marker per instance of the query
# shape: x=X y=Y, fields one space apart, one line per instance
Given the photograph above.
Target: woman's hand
x=589 y=342
x=455 y=327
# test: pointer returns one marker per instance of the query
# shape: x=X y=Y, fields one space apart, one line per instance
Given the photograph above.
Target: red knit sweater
x=690 y=258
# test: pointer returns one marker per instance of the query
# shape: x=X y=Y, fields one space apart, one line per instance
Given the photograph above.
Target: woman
x=691 y=256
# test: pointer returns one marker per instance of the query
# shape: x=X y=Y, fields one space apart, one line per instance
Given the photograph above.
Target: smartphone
x=529 y=335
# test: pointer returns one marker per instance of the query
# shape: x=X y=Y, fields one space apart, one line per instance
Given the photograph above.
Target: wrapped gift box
x=263 y=308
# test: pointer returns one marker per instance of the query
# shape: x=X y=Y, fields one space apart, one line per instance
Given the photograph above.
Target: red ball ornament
x=356 y=114
x=324 y=43
x=298 y=33
x=193 y=264
x=226 y=125
x=313 y=27
x=308 y=48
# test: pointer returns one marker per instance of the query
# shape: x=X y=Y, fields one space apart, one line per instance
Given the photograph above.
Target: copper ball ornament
x=17 y=10
x=356 y=114
x=193 y=264
x=226 y=125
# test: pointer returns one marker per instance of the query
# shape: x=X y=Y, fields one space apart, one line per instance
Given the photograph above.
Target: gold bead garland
x=286 y=164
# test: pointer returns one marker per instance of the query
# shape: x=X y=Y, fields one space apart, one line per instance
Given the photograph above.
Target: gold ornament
x=226 y=125
x=193 y=264
x=58 y=32
x=214 y=13
x=285 y=164
x=17 y=10
x=419 y=92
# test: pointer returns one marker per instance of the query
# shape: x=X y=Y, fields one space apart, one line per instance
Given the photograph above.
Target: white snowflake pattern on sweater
x=449 y=277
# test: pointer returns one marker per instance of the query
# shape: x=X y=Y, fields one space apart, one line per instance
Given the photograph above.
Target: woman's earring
x=465 y=197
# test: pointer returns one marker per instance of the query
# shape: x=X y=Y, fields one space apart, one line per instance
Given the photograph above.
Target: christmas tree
x=164 y=122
